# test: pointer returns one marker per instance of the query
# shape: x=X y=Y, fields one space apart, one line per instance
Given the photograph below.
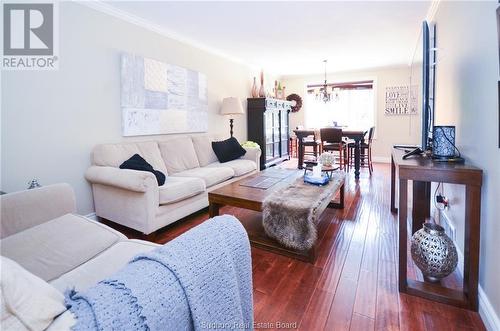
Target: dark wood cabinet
x=268 y=125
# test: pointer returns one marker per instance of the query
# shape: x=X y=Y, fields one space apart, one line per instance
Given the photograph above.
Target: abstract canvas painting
x=161 y=98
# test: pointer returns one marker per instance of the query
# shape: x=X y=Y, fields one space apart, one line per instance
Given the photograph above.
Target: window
x=351 y=105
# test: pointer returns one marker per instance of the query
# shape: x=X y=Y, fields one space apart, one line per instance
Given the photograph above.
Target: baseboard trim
x=92 y=216
x=486 y=311
x=381 y=159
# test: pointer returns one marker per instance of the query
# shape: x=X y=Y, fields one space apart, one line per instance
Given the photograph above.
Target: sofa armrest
x=127 y=197
x=253 y=153
x=25 y=209
x=132 y=180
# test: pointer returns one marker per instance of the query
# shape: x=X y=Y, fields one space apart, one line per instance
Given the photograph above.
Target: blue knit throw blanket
x=200 y=280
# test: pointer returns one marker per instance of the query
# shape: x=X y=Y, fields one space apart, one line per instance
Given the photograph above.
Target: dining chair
x=365 y=157
x=311 y=145
x=331 y=141
x=292 y=146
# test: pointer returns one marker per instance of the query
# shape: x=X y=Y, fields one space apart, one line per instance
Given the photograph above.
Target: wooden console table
x=422 y=171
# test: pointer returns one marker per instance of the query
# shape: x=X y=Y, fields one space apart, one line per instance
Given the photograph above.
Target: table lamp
x=231 y=106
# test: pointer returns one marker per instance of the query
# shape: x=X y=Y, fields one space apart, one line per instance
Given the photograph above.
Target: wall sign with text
x=401 y=100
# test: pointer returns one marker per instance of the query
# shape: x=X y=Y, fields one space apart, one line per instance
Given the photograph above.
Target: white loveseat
x=54 y=250
x=41 y=232
x=134 y=199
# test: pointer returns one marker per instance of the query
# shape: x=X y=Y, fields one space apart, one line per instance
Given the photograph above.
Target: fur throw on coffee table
x=290 y=215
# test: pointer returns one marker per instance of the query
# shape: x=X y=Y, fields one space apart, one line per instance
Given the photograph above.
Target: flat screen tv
x=427 y=63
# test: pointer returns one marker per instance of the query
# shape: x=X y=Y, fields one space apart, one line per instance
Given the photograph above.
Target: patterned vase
x=433 y=252
x=443 y=145
x=255 y=93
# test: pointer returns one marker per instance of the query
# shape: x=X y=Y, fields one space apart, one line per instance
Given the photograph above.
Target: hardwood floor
x=353 y=284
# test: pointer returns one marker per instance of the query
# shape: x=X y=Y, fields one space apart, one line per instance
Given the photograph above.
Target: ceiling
x=289 y=38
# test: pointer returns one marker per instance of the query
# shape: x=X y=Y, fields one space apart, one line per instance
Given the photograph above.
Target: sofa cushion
x=228 y=150
x=203 y=148
x=112 y=155
x=24 y=209
x=53 y=248
x=240 y=166
x=102 y=266
x=210 y=175
x=179 y=188
x=178 y=154
x=27 y=302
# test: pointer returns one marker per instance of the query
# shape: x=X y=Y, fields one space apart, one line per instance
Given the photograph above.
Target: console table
x=422 y=171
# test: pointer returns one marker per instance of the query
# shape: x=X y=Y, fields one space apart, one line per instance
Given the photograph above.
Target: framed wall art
x=161 y=98
x=401 y=100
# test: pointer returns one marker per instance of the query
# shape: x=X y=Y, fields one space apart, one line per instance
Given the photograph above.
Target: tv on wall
x=427 y=107
x=427 y=47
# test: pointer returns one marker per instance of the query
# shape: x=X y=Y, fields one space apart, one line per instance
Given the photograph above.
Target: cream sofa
x=134 y=199
x=41 y=232
x=56 y=250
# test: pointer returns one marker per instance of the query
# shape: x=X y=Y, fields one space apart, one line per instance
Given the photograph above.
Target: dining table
x=354 y=134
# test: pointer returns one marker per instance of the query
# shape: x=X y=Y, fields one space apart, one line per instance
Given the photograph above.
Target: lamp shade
x=231 y=106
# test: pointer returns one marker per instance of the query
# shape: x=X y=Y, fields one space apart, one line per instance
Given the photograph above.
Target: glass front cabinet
x=268 y=125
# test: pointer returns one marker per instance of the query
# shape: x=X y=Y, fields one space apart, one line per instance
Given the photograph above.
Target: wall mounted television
x=425 y=58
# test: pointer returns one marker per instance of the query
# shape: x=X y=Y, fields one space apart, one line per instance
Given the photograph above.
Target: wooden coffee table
x=237 y=195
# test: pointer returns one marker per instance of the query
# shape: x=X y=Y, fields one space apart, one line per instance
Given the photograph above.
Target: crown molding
x=146 y=24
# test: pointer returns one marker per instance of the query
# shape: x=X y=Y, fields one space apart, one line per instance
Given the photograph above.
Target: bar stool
x=313 y=143
x=292 y=147
x=365 y=156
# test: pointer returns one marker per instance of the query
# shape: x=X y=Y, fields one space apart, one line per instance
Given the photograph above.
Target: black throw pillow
x=228 y=150
x=136 y=162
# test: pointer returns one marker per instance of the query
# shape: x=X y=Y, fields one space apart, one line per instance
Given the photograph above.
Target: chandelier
x=323 y=94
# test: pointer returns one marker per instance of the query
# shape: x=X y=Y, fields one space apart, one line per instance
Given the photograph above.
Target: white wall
x=467 y=74
x=390 y=130
x=51 y=120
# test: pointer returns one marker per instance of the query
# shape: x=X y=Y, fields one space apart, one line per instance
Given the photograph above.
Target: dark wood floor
x=353 y=284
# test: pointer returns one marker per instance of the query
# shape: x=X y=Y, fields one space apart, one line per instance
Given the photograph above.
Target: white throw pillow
x=27 y=302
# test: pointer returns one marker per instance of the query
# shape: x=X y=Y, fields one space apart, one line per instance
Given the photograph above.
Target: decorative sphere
x=433 y=252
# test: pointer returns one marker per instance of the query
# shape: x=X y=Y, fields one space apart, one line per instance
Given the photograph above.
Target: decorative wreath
x=298 y=102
